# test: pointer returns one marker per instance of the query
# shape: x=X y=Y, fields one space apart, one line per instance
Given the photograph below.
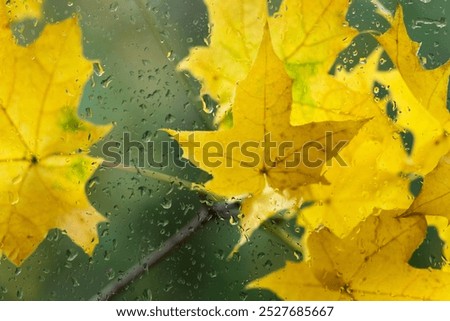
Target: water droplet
x=93 y=181
x=13 y=198
x=166 y=203
x=98 y=69
x=208 y=106
x=146 y=136
x=106 y=82
x=220 y=254
x=268 y=264
x=71 y=255
x=441 y=23
x=110 y=274
x=147 y=295
x=212 y=274
x=233 y=220
x=298 y=255
x=114 y=7
x=423 y=60
x=75 y=282
x=170 y=119
x=168 y=287
x=17 y=179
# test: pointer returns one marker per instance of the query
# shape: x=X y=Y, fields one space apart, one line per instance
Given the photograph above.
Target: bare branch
x=172 y=243
x=221 y=209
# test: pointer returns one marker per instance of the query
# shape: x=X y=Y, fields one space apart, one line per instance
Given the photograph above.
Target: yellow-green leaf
x=307 y=36
x=43 y=160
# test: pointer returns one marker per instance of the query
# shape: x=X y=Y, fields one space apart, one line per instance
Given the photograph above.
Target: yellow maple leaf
x=43 y=160
x=430 y=89
x=261 y=112
x=262 y=149
x=356 y=191
x=369 y=264
x=415 y=97
x=410 y=115
x=429 y=86
x=308 y=36
x=376 y=154
x=237 y=28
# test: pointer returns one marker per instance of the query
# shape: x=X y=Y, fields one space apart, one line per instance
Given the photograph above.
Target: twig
x=155 y=175
x=162 y=177
x=221 y=209
x=171 y=244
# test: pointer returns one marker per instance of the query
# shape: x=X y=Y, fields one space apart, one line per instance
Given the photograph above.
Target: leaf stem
x=115 y=287
x=162 y=177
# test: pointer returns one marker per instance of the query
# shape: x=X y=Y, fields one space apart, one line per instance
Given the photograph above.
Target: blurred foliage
x=139 y=44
